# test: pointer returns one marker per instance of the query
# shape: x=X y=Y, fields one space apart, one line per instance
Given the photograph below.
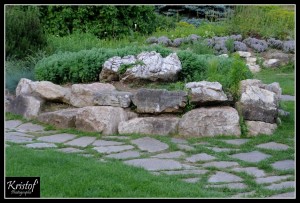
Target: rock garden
x=201 y=110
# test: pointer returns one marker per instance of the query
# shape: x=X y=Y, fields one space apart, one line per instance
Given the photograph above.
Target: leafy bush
x=103 y=21
x=23 y=31
x=83 y=66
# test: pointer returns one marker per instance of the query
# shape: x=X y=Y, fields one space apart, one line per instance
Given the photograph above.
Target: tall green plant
x=23 y=31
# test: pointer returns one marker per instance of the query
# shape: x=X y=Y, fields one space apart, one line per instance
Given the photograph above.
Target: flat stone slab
x=271 y=179
x=230 y=185
x=99 y=143
x=125 y=155
x=112 y=149
x=273 y=146
x=287 y=98
x=154 y=164
x=217 y=149
x=81 y=141
x=252 y=157
x=191 y=180
x=17 y=134
x=58 y=138
x=243 y=194
x=236 y=141
x=284 y=165
x=18 y=139
x=149 y=144
x=116 y=137
x=29 y=127
x=279 y=186
x=185 y=172
x=251 y=171
x=283 y=195
x=179 y=141
x=221 y=177
x=12 y=124
x=70 y=150
x=41 y=145
x=221 y=164
x=170 y=155
x=185 y=147
x=200 y=157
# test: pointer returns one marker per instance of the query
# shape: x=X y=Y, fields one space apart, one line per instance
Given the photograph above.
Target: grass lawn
x=286 y=79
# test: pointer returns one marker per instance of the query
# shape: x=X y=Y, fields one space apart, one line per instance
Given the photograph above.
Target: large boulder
x=26 y=105
x=289 y=46
x=206 y=92
x=210 y=122
x=256 y=44
x=111 y=67
x=158 y=101
x=83 y=94
x=258 y=127
x=153 y=67
x=103 y=119
x=258 y=104
x=149 y=66
x=44 y=89
x=113 y=98
x=164 y=41
x=61 y=119
x=273 y=87
x=150 y=126
x=240 y=46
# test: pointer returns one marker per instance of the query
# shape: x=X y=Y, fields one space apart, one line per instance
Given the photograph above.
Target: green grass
x=68 y=175
x=284 y=76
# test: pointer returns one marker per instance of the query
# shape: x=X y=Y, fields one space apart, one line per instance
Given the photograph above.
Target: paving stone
x=189 y=167
x=70 y=150
x=41 y=145
x=81 y=141
x=284 y=165
x=185 y=172
x=18 y=134
x=58 y=138
x=18 y=139
x=179 y=141
x=200 y=157
x=287 y=98
x=244 y=194
x=236 y=141
x=217 y=149
x=220 y=164
x=191 y=180
x=287 y=195
x=149 y=144
x=273 y=146
x=12 y=124
x=185 y=147
x=224 y=177
x=154 y=164
x=253 y=157
x=125 y=155
x=271 y=179
x=99 y=143
x=112 y=149
x=170 y=155
x=251 y=171
x=230 y=185
x=282 y=185
x=201 y=143
x=116 y=137
x=29 y=127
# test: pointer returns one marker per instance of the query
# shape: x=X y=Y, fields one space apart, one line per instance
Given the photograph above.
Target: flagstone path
x=158 y=158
